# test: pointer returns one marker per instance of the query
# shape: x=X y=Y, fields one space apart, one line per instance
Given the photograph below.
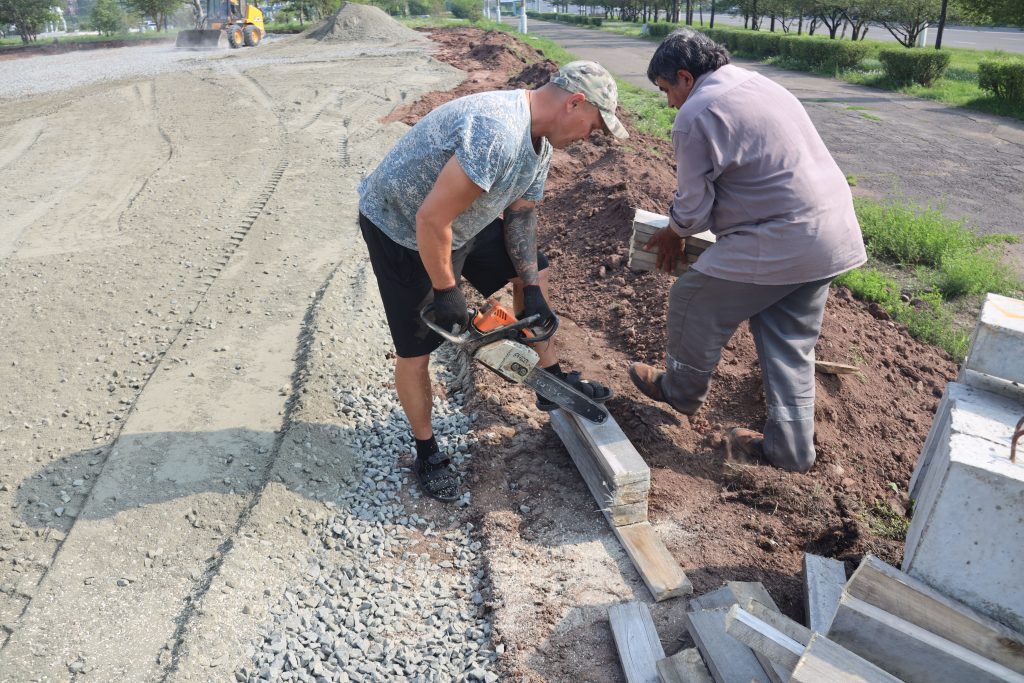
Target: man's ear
x=575 y=100
x=685 y=77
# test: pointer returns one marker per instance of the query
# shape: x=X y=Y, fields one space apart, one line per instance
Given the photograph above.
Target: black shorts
x=405 y=286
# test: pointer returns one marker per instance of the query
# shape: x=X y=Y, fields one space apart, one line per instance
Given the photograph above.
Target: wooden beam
x=636 y=641
x=626 y=504
x=734 y=593
x=909 y=651
x=617 y=460
x=780 y=621
x=780 y=650
x=823 y=586
x=887 y=588
x=729 y=660
x=661 y=573
x=824 y=660
x=685 y=666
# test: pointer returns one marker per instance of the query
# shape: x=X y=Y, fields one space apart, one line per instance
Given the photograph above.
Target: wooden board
x=829 y=368
x=780 y=621
x=728 y=660
x=824 y=661
x=685 y=666
x=622 y=506
x=618 y=461
x=887 y=588
x=781 y=651
x=907 y=650
x=734 y=593
x=661 y=573
x=636 y=641
x=823 y=586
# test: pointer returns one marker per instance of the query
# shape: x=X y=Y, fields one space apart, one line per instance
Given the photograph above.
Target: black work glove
x=450 y=311
x=534 y=304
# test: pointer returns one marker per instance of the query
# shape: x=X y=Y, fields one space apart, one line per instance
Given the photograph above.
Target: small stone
x=525 y=509
x=123 y=582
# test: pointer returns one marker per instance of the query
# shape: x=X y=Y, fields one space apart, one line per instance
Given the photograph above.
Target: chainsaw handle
x=427 y=316
x=540 y=334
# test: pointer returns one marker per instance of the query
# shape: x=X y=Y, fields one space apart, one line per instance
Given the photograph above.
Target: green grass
x=851 y=180
x=857 y=108
x=942 y=261
x=887 y=522
x=870 y=117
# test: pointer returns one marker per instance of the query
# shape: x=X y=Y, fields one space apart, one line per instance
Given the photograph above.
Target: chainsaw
x=499 y=342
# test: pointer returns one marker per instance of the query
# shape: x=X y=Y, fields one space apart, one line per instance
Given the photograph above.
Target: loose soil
x=721 y=520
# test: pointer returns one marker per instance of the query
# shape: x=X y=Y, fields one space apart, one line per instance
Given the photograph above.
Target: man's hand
x=669 y=247
x=450 y=311
x=534 y=304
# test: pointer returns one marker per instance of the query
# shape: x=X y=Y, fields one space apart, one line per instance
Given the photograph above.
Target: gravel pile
x=363 y=24
x=386 y=596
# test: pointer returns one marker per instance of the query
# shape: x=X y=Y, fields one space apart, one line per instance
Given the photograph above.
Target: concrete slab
x=966 y=539
x=997 y=345
x=970 y=411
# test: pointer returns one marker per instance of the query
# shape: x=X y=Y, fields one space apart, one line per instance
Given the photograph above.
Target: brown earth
x=721 y=520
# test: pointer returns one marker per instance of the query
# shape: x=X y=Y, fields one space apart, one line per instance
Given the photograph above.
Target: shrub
x=660 y=29
x=757 y=43
x=107 y=17
x=914 y=65
x=467 y=9
x=1004 y=78
x=823 y=52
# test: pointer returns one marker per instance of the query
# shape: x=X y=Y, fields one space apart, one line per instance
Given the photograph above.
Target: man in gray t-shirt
x=456 y=197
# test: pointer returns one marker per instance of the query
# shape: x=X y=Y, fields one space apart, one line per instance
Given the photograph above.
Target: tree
x=832 y=15
x=907 y=19
x=29 y=17
x=107 y=17
x=859 y=15
x=999 y=12
x=157 y=10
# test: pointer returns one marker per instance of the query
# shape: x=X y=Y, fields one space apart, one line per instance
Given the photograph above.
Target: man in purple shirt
x=752 y=169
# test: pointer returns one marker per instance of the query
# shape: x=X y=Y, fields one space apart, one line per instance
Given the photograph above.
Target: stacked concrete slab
x=966 y=538
x=645 y=224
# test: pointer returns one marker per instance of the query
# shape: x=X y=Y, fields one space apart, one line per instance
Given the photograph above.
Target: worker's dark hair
x=686 y=49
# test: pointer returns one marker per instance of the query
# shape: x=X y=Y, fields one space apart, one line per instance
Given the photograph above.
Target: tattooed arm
x=521 y=239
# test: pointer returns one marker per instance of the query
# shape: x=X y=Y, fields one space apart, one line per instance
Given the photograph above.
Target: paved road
x=977 y=38
x=897 y=146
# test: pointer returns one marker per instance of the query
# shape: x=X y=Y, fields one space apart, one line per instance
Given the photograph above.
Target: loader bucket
x=202 y=39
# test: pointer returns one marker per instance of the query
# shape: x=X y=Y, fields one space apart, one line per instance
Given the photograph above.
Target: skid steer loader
x=223 y=23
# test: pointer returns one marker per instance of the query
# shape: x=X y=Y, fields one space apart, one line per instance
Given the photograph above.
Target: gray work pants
x=785 y=320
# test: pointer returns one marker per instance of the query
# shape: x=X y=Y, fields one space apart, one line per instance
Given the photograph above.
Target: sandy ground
x=168 y=244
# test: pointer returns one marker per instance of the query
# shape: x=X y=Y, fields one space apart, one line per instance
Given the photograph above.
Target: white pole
x=497 y=10
x=522 y=19
x=922 y=37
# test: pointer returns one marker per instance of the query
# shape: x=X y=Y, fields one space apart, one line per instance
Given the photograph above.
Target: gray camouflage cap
x=598 y=86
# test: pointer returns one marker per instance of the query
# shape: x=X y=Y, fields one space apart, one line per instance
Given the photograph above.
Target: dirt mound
x=534 y=76
x=362 y=24
x=493 y=60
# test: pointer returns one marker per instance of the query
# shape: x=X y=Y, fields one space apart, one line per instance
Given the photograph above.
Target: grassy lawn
x=927 y=271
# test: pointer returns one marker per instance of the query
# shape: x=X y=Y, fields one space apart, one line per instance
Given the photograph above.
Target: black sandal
x=437 y=478
x=595 y=391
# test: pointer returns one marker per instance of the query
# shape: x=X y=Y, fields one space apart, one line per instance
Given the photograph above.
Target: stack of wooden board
x=620 y=481
x=881 y=626
x=645 y=224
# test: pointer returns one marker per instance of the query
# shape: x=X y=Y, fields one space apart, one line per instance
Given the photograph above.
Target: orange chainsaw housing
x=492 y=316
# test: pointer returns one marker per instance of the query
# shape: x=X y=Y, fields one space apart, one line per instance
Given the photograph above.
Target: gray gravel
x=386 y=595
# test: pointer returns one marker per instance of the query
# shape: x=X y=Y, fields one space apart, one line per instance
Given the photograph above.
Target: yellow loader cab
x=223 y=23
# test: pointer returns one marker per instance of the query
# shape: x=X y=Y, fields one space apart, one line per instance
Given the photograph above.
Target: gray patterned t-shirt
x=489 y=134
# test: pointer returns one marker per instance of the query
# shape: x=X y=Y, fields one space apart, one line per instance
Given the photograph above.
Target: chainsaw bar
x=564 y=395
